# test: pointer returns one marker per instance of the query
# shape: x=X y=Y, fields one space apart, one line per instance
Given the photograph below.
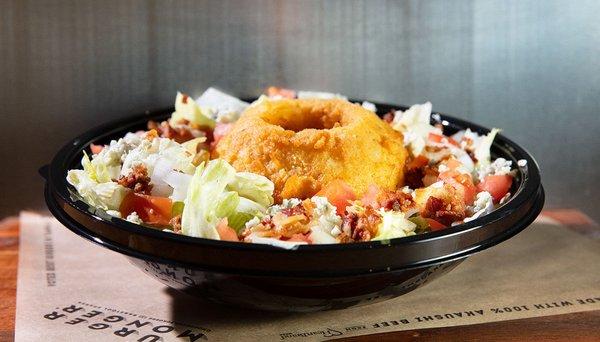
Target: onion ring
x=303 y=144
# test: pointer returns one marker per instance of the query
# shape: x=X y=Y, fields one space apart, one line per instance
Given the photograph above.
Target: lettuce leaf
x=106 y=196
x=482 y=151
x=254 y=187
x=217 y=191
x=190 y=111
x=394 y=225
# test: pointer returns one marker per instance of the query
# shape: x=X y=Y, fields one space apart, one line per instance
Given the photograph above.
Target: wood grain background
x=530 y=67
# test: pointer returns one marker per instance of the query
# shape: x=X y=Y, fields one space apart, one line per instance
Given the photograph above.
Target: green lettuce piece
x=204 y=197
x=253 y=187
x=245 y=211
x=394 y=225
x=98 y=172
x=217 y=191
x=107 y=195
x=191 y=112
x=422 y=224
x=177 y=208
x=482 y=151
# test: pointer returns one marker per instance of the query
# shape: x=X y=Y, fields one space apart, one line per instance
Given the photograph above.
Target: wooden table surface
x=583 y=326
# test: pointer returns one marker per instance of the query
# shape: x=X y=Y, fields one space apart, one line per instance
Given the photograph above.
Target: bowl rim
x=530 y=182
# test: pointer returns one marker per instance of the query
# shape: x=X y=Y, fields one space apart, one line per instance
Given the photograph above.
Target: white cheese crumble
x=369 y=106
x=173 y=156
x=522 y=162
x=134 y=218
x=326 y=223
x=484 y=204
x=499 y=167
x=253 y=222
x=115 y=152
x=287 y=203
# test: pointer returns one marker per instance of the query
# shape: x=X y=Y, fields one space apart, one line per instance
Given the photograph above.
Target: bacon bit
x=344 y=238
x=297 y=210
x=360 y=227
x=440 y=211
x=184 y=98
x=415 y=171
x=414 y=177
x=165 y=130
x=175 y=223
x=137 y=179
x=151 y=135
x=389 y=116
x=396 y=200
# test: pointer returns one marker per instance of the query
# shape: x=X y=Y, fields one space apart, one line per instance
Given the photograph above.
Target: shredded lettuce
x=225 y=108
x=254 y=187
x=107 y=195
x=190 y=111
x=215 y=192
x=414 y=124
x=482 y=151
x=394 y=225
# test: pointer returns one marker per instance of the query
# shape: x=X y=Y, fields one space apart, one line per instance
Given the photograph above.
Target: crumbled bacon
x=297 y=210
x=165 y=130
x=396 y=200
x=441 y=211
x=414 y=177
x=360 y=226
x=175 y=223
x=137 y=179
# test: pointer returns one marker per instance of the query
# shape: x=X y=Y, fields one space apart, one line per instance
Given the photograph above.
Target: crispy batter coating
x=301 y=145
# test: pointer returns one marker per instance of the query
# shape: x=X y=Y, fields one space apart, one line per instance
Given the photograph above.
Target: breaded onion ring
x=302 y=145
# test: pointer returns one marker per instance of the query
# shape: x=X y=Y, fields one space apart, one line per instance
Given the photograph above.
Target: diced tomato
x=434 y=225
x=437 y=138
x=226 y=233
x=434 y=137
x=96 y=148
x=221 y=129
x=371 y=197
x=151 y=209
x=418 y=162
x=496 y=185
x=339 y=193
x=461 y=181
x=285 y=93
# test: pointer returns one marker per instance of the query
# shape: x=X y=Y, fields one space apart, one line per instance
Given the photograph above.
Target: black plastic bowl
x=310 y=278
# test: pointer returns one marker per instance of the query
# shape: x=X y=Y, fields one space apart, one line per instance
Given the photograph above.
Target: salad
x=167 y=177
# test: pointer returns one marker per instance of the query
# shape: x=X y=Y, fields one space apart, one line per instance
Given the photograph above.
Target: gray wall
x=530 y=67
